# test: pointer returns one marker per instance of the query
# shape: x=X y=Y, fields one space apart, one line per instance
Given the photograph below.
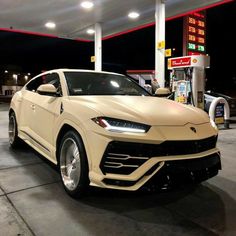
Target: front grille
x=126 y=157
x=176 y=173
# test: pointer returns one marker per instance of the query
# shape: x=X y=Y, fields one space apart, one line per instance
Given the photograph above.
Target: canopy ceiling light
x=87 y=4
x=50 y=25
x=133 y=15
x=90 y=31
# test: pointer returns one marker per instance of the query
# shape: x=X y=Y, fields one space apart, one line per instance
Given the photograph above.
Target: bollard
x=212 y=109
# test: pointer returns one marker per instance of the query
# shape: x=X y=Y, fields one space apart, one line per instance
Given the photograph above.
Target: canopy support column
x=160 y=43
x=98 y=47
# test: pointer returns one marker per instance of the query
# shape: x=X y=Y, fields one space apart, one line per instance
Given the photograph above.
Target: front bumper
x=175 y=173
x=126 y=157
x=128 y=162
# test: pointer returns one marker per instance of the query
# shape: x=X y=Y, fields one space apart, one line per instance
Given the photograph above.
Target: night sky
x=131 y=51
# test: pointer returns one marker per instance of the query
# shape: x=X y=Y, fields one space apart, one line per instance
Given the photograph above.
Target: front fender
x=76 y=125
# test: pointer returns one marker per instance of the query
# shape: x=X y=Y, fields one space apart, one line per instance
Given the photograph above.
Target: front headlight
x=213 y=124
x=117 y=125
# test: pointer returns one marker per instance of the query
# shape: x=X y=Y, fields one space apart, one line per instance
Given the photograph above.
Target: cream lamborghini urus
x=103 y=129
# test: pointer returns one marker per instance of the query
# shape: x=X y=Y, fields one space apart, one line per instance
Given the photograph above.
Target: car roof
x=76 y=70
x=215 y=94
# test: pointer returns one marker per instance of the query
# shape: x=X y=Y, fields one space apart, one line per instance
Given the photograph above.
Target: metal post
x=160 y=37
x=195 y=86
x=198 y=86
x=98 y=47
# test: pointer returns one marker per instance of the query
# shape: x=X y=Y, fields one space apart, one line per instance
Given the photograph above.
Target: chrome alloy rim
x=70 y=164
x=12 y=129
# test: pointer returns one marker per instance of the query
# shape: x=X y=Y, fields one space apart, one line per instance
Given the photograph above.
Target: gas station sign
x=195 y=34
x=189 y=61
x=179 y=62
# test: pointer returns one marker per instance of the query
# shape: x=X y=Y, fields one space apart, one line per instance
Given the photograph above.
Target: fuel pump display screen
x=195 y=33
x=182 y=91
x=182 y=87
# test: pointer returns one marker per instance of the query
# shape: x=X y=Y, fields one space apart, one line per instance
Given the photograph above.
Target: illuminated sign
x=201 y=40
x=201 y=32
x=188 y=61
x=191 y=21
x=201 y=48
x=219 y=114
x=192 y=38
x=191 y=46
x=201 y=23
x=195 y=33
x=180 y=62
x=191 y=29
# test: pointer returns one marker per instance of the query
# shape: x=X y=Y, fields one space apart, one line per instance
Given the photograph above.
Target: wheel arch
x=64 y=129
x=11 y=111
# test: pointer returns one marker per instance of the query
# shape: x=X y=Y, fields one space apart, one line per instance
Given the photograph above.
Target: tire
x=14 y=140
x=73 y=164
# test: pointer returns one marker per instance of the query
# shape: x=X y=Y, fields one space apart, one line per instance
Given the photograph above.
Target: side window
x=53 y=79
x=34 y=84
x=44 y=79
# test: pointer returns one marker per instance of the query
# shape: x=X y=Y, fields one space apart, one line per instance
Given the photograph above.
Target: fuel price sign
x=195 y=34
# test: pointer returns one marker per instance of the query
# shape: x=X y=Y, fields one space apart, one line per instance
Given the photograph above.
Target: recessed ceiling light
x=133 y=15
x=50 y=25
x=90 y=31
x=87 y=4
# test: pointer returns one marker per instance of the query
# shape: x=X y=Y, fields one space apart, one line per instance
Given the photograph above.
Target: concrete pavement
x=33 y=201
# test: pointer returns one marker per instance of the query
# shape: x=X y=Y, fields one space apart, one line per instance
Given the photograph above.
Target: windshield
x=90 y=83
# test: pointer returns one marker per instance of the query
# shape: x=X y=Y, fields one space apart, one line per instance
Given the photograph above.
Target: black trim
x=127 y=183
x=36 y=141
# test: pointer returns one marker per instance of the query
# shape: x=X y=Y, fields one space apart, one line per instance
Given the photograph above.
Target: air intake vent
x=126 y=157
x=122 y=163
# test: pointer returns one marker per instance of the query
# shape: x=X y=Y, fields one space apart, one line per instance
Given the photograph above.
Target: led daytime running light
x=115 y=125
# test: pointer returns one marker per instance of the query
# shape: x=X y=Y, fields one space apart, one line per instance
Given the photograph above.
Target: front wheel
x=14 y=140
x=73 y=164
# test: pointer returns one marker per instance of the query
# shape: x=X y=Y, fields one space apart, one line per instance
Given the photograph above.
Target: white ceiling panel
x=72 y=20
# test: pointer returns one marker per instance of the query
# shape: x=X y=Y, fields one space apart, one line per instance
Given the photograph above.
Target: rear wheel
x=14 y=140
x=73 y=164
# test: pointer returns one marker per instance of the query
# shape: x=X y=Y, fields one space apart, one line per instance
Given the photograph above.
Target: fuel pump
x=187 y=79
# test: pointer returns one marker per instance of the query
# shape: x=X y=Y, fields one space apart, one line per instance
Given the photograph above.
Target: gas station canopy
x=72 y=20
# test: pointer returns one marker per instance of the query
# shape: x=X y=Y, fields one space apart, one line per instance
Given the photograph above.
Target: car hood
x=143 y=109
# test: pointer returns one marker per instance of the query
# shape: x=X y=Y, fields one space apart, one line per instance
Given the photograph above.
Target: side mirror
x=162 y=92
x=47 y=89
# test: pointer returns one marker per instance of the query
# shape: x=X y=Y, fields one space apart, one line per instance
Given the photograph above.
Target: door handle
x=32 y=107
